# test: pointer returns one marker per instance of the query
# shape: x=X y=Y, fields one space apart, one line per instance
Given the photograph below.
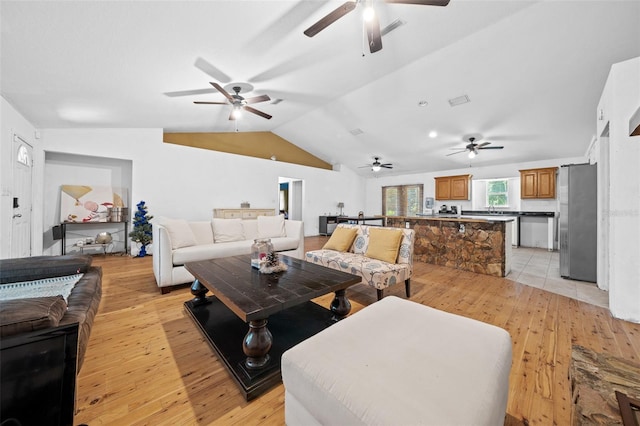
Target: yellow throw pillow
x=384 y=244
x=341 y=239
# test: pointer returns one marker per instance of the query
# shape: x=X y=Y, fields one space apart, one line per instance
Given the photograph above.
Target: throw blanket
x=40 y=288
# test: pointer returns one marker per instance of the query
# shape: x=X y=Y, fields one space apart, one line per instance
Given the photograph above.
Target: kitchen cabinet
x=452 y=187
x=538 y=183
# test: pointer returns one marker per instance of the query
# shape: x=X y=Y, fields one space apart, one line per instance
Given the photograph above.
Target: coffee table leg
x=199 y=291
x=340 y=305
x=256 y=344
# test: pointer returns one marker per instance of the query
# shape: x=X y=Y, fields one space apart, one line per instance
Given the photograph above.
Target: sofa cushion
x=25 y=315
x=376 y=273
x=271 y=226
x=202 y=231
x=384 y=244
x=341 y=239
x=250 y=228
x=39 y=267
x=285 y=243
x=180 y=233
x=227 y=230
x=210 y=251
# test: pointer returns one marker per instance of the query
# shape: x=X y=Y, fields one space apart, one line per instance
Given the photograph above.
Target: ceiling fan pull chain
x=364 y=30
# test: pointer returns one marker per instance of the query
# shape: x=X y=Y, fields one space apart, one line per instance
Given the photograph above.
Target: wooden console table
x=242 y=213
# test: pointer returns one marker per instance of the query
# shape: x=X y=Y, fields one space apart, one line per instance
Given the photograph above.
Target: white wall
x=11 y=122
x=620 y=211
x=184 y=182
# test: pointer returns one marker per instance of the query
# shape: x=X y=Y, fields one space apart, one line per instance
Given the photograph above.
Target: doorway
x=21 y=203
x=291 y=197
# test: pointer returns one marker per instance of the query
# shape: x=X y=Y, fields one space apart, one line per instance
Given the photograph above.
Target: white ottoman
x=398 y=362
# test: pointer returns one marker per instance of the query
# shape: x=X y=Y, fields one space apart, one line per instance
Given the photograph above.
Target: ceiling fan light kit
x=238 y=102
x=472 y=148
x=376 y=166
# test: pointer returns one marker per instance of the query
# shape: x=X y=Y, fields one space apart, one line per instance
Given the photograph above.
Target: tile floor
x=541 y=268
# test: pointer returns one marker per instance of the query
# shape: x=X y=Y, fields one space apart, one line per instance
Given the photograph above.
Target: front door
x=21 y=222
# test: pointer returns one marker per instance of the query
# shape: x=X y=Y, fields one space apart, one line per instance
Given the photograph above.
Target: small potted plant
x=141 y=233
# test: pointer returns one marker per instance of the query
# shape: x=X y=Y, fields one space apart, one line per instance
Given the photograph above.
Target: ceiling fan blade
x=483 y=144
x=373 y=34
x=386 y=166
x=457 y=152
x=330 y=19
x=211 y=71
x=491 y=147
x=188 y=92
x=257 y=112
x=421 y=2
x=221 y=90
x=210 y=103
x=257 y=99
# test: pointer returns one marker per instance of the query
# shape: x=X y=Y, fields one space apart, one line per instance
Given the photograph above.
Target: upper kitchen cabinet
x=538 y=183
x=452 y=187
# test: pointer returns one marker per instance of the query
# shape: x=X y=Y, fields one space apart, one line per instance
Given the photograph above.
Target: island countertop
x=458 y=218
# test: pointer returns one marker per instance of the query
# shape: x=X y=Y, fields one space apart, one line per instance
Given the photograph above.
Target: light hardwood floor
x=147 y=364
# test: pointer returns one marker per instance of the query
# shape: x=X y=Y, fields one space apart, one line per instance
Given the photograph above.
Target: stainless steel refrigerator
x=578 y=222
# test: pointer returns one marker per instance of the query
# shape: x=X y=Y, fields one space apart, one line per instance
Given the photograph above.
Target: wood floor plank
x=147 y=364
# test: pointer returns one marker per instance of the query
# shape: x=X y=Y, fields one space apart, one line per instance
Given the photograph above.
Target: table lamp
x=341 y=206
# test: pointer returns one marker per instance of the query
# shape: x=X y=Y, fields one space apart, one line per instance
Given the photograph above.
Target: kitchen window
x=402 y=200
x=498 y=193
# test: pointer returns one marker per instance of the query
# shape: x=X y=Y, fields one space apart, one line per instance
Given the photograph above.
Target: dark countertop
x=458 y=218
x=507 y=213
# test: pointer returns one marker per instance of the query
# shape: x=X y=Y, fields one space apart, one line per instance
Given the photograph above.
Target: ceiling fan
x=472 y=148
x=371 y=21
x=238 y=102
x=377 y=165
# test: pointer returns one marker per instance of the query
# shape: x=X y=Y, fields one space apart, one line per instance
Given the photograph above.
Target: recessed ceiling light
x=423 y=103
x=433 y=134
x=459 y=100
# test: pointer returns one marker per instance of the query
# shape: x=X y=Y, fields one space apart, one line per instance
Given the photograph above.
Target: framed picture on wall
x=88 y=203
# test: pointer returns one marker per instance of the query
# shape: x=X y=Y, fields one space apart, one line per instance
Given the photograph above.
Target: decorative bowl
x=104 y=238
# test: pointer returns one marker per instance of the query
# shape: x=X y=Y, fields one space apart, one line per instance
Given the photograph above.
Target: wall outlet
x=406 y=225
x=462 y=228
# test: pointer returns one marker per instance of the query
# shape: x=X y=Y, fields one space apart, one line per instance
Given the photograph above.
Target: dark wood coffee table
x=234 y=320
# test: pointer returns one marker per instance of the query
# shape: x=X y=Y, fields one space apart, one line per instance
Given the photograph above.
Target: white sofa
x=177 y=241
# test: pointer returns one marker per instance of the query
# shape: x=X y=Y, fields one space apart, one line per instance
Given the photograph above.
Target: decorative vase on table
x=141 y=233
x=260 y=248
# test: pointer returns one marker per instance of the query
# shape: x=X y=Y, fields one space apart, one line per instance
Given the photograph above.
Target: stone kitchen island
x=478 y=244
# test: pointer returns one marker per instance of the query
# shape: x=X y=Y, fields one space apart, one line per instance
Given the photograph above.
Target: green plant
x=141 y=228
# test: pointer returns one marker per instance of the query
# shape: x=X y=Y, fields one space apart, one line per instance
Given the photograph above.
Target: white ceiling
x=534 y=71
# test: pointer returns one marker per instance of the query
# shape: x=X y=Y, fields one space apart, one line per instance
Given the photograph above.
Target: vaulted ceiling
x=532 y=70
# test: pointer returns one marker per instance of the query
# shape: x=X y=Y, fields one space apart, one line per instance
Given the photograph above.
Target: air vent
x=392 y=26
x=459 y=100
x=356 y=132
